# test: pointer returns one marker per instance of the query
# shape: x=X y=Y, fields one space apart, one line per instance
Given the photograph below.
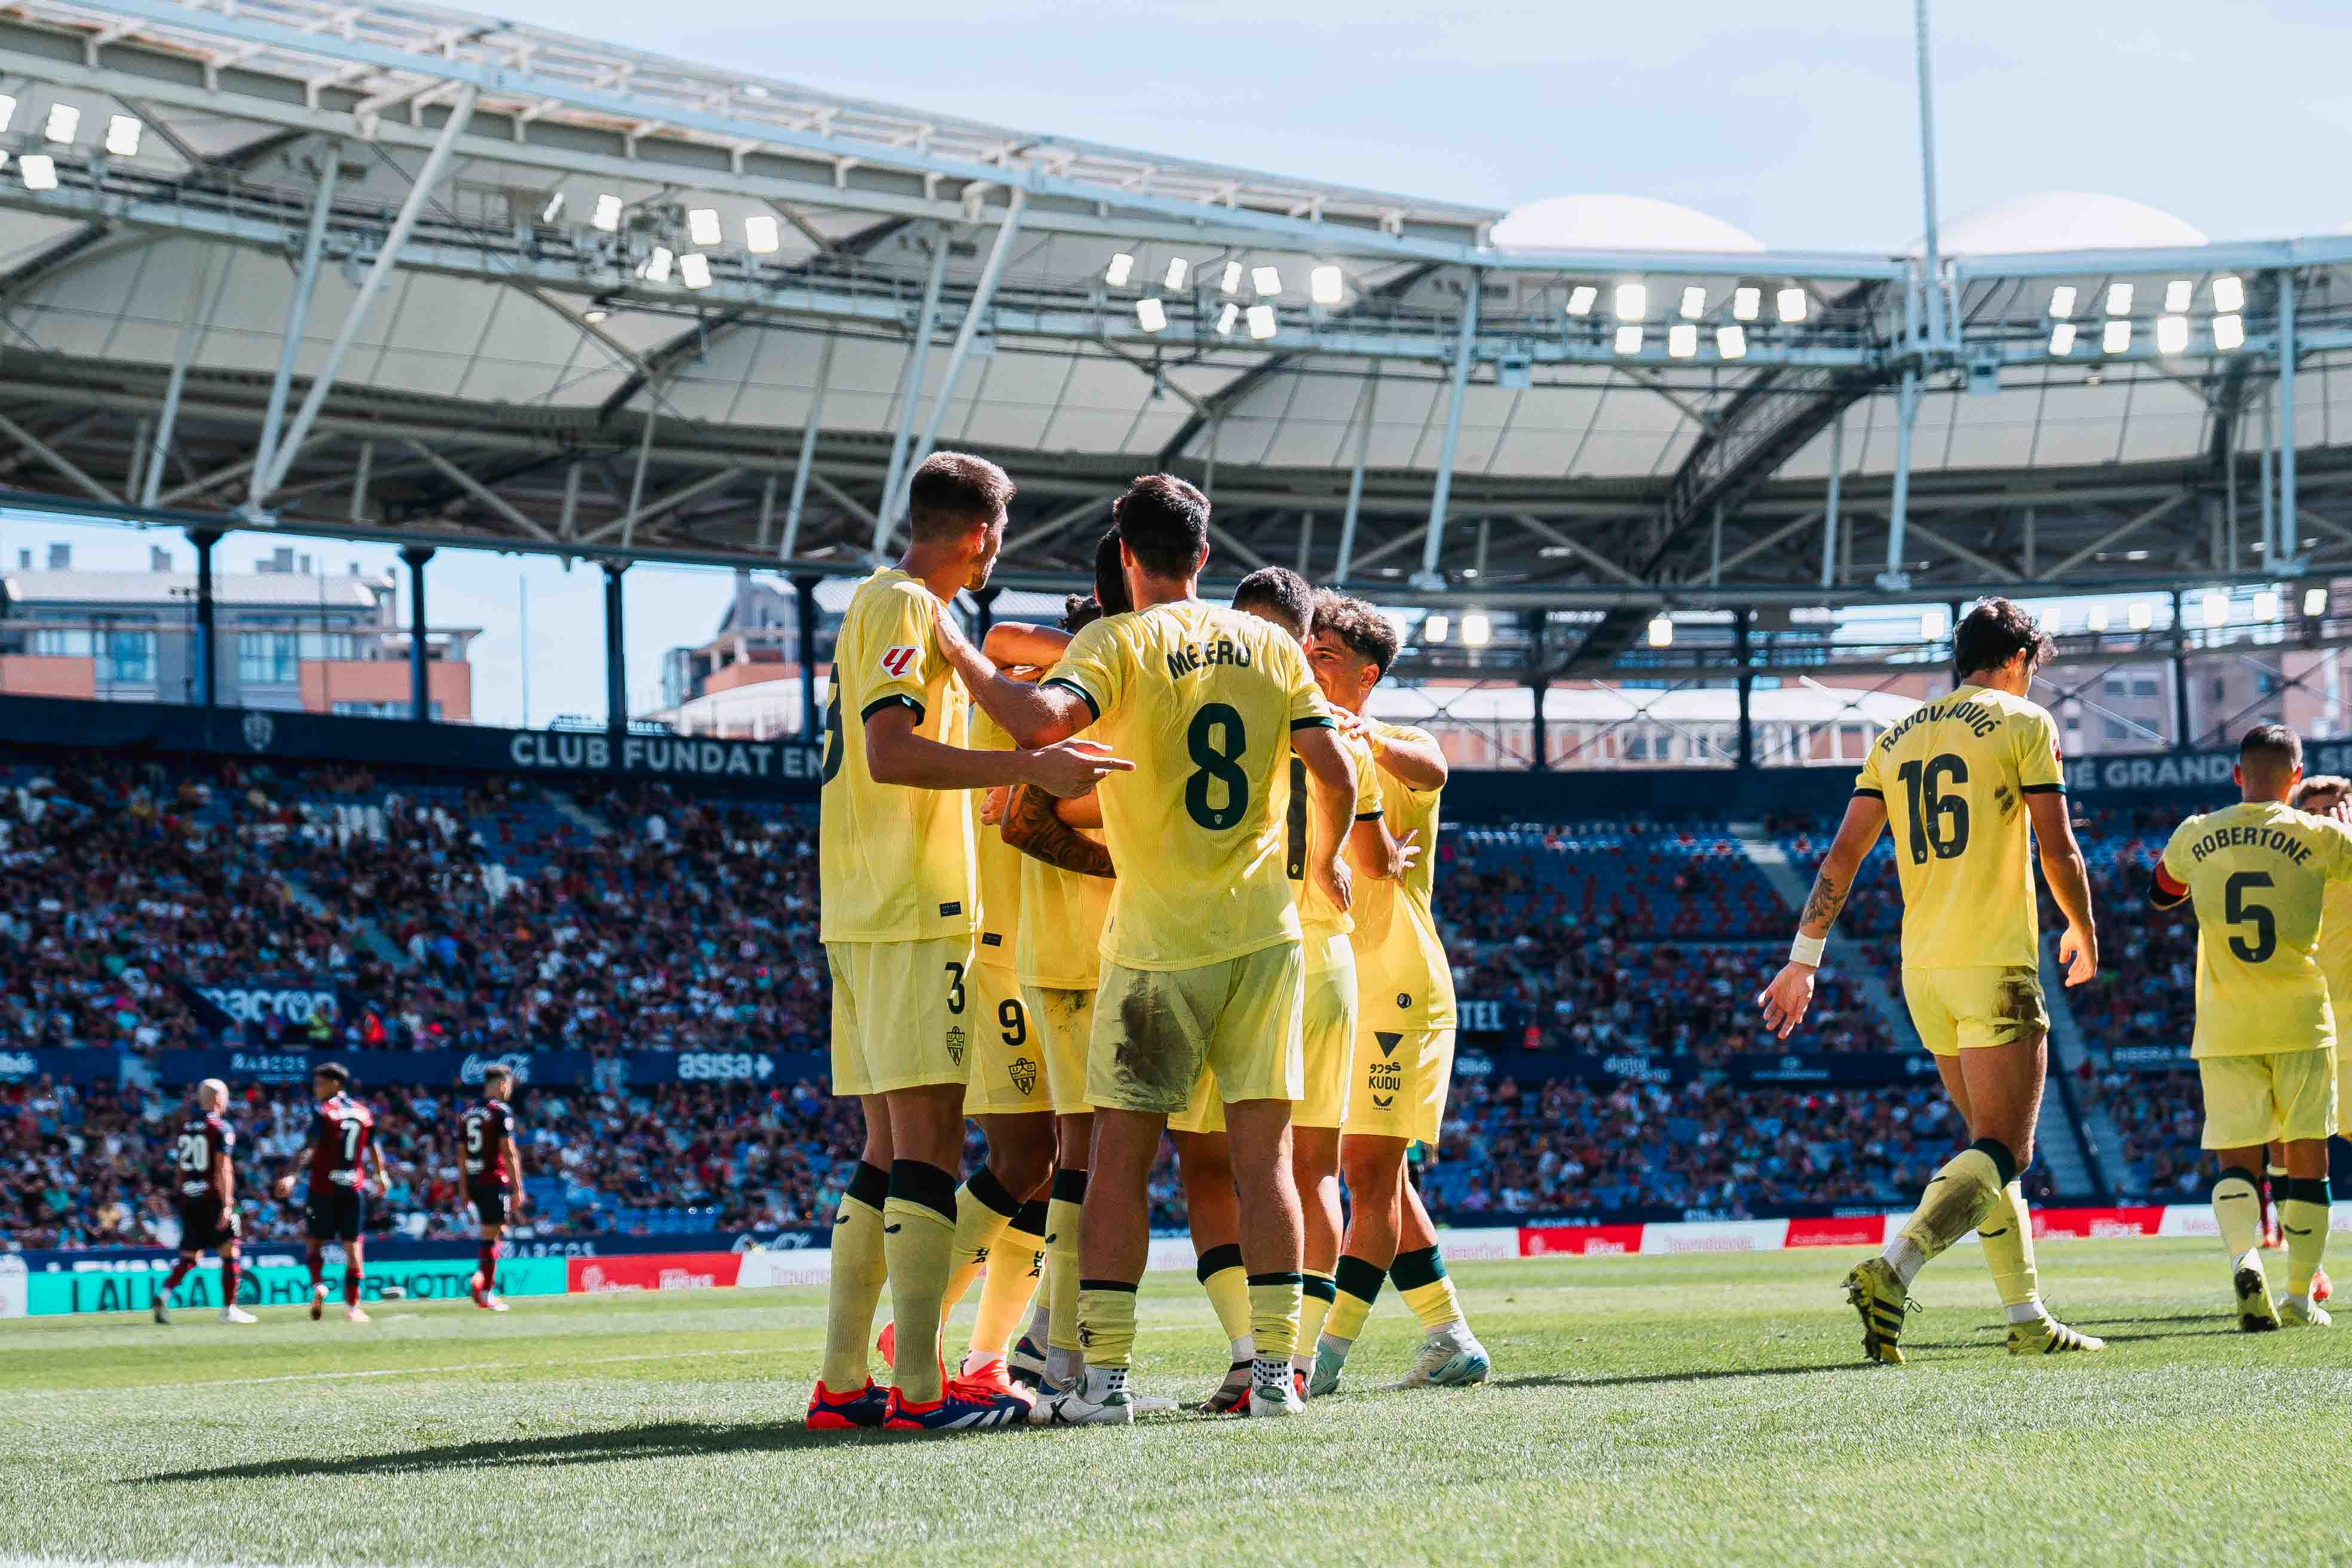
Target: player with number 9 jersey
x=1954 y=777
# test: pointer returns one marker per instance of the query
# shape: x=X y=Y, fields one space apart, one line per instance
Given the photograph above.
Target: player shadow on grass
x=672 y=1439
x=1705 y=1375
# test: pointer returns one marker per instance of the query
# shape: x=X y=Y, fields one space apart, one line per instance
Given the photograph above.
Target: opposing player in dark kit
x=204 y=1167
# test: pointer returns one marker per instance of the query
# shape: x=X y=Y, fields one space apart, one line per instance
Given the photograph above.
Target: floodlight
x=1225 y=318
x=657 y=266
x=2228 y=289
x=1747 y=303
x=702 y=227
x=763 y=235
x=1932 y=625
x=1261 y=322
x=1628 y=339
x=2119 y=299
x=1178 y=269
x=1633 y=301
x=2171 y=334
x=2215 y=606
x=1122 y=266
x=1325 y=286
x=39 y=170
x=2315 y=601
x=2266 y=605
x=2097 y=619
x=1432 y=628
x=592 y=316
x=1581 y=300
x=1151 y=315
x=1793 y=303
x=1477 y=631
x=1266 y=281
x=2115 y=337
x=1682 y=339
x=2061 y=301
x=1232 y=277
x=1731 y=340
x=2176 y=295
x=554 y=209
x=2061 y=340
x=2140 y=616
x=2229 y=332
x=694 y=270
x=607 y=215
x=64 y=120
x=122 y=136
x=1662 y=631
x=1693 y=302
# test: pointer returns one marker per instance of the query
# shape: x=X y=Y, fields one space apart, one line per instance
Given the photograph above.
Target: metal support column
x=1894 y=580
x=420 y=685
x=791 y=547
x=2180 y=737
x=1539 y=686
x=2287 y=554
x=1741 y=621
x=616 y=657
x=420 y=194
x=926 y=321
x=297 y=313
x=804 y=615
x=1830 y=518
x=1434 y=541
x=1366 y=404
x=207 y=654
x=191 y=329
x=1930 y=261
x=894 y=505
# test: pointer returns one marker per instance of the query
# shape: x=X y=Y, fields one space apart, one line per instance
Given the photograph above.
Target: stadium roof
x=633 y=307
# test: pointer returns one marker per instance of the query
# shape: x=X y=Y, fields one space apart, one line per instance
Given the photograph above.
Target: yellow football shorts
x=1397 y=1082
x=1063 y=1021
x=1008 y=1060
x=902 y=1014
x=1157 y=1031
x=1958 y=1010
x=2275 y=1095
x=1326 y=1042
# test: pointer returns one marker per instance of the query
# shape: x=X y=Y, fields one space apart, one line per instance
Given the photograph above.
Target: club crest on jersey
x=1025 y=1074
x=897 y=661
x=956 y=1039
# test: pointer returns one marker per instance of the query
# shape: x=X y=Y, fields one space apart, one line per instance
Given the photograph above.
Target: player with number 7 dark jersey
x=492 y=1165
x=340 y=1146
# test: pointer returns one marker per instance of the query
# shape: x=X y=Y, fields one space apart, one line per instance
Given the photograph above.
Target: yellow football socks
x=1316 y=1293
x=1014 y=1266
x=919 y=1237
x=1107 y=1322
x=2238 y=1211
x=2008 y=1237
x=1357 y=1285
x=1062 y=1259
x=982 y=1209
x=1958 y=1198
x=1220 y=1275
x=2303 y=1216
x=857 y=1277
x=1274 y=1301
x=1421 y=1281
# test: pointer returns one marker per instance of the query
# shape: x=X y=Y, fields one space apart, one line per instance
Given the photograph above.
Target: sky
x=1796 y=124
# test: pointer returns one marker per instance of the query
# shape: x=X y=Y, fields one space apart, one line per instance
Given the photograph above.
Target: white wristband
x=1808 y=949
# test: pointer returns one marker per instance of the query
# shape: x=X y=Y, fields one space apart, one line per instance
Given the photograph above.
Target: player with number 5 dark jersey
x=341 y=1148
x=492 y=1165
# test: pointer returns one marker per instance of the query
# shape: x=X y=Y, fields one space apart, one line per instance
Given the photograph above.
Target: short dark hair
x=952 y=491
x=2271 y=746
x=1283 y=592
x=2319 y=784
x=335 y=1070
x=1080 y=611
x=1995 y=632
x=1370 y=635
x=496 y=1072
x=1164 y=523
x=1111 y=582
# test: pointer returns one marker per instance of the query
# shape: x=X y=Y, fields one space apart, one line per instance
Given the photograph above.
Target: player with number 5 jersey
x=1960 y=781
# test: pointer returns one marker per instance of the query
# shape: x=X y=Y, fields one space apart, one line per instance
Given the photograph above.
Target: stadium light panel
x=1177 y=270
x=2176 y=295
x=2062 y=338
x=2119 y=299
x=1325 y=286
x=1232 y=277
x=1662 y=632
x=592 y=317
x=1932 y=625
x=1432 y=628
x=1477 y=631
x=694 y=270
x=2315 y=601
x=1266 y=281
x=2061 y=301
x=2214 y=606
x=2266 y=605
x=1226 y=318
x=2097 y=619
x=1793 y=303
x=1693 y=302
x=2115 y=337
x=2228 y=289
x=657 y=265
x=554 y=209
x=2140 y=616
x=1682 y=339
x=1628 y=339
x=39 y=172
x=763 y=235
x=1580 y=299
x=607 y=215
x=2229 y=332
x=64 y=120
x=1633 y=301
x=1151 y=315
x=8 y=110
x=1261 y=322
x=1122 y=268
x=122 y=136
x=1747 y=303
x=702 y=227
x=1731 y=340
x=2171 y=334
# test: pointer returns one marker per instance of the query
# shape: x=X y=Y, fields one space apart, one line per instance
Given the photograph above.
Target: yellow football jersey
x=894 y=864
x=997 y=863
x=1317 y=916
x=2336 y=950
x=1402 y=973
x=2258 y=874
x=1059 y=945
x=1203 y=700
x=1955 y=775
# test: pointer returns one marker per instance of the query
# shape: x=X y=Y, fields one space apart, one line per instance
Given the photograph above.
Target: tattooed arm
x=1033 y=826
x=1791 y=991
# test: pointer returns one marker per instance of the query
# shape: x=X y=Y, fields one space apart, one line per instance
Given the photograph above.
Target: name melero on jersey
x=1192 y=658
x=1980 y=719
x=2277 y=840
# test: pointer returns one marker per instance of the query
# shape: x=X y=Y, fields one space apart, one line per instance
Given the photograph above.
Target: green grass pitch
x=1707 y=1409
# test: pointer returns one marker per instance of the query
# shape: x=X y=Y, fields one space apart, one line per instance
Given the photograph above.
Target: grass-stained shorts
x=1958 y=1010
x=1156 y=1031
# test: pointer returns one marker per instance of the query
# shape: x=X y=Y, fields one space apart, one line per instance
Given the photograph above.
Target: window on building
x=2266 y=683
x=127 y=658
x=377 y=710
x=269 y=658
x=2115 y=730
x=2144 y=685
x=2114 y=685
